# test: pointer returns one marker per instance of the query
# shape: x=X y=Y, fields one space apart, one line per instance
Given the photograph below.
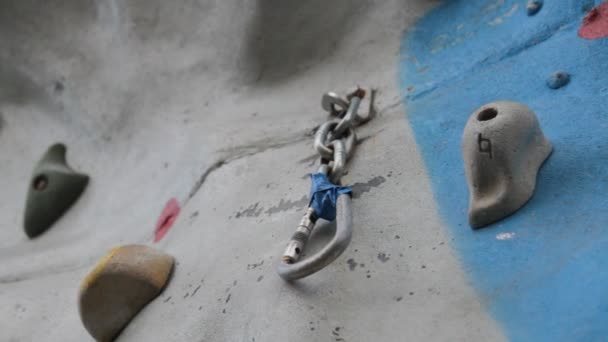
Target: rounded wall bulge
x=503 y=147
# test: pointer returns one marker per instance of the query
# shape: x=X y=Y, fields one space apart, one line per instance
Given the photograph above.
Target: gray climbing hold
x=558 y=80
x=52 y=191
x=503 y=147
x=534 y=6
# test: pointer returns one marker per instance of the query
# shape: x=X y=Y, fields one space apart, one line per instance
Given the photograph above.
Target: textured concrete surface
x=212 y=103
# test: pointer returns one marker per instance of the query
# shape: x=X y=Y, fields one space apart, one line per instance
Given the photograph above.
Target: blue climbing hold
x=558 y=80
x=324 y=195
x=534 y=6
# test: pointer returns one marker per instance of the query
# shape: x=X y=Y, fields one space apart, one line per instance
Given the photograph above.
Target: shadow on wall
x=27 y=29
x=287 y=37
x=16 y=87
x=31 y=23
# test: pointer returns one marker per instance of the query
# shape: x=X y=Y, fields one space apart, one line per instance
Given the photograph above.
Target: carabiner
x=331 y=251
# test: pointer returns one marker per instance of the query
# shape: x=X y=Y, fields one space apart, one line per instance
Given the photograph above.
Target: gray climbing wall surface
x=211 y=103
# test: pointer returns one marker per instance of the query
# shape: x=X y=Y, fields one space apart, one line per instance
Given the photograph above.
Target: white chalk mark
x=505 y=236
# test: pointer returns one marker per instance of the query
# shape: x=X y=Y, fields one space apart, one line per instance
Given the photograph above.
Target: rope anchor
x=335 y=141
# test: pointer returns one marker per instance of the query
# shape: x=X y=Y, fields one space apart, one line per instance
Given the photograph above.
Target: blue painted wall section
x=543 y=272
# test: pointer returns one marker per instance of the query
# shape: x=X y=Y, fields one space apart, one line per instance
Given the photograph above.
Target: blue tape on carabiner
x=323 y=196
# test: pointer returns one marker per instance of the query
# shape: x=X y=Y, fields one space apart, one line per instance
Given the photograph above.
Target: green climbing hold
x=52 y=191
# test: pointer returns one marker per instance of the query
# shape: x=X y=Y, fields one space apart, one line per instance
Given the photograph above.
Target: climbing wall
x=541 y=271
x=193 y=120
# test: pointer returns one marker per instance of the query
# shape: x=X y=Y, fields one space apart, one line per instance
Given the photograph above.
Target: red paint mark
x=595 y=24
x=166 y=219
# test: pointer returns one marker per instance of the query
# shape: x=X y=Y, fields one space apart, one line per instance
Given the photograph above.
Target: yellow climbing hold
x=122 y=283
x=94 y=274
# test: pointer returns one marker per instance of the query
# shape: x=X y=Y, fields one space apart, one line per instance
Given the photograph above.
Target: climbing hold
x=166 y=219
x=503 y=147
x=534 y=6
x=595 y=23
x=121 y=284
x=558 y=80
x=52 y=191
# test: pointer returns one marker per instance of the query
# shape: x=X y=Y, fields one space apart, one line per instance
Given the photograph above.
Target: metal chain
x=335 y=141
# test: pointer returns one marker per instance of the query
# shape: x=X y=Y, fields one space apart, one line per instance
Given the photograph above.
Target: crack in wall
x=247 y=150
x=251 y=149
x=199 y=183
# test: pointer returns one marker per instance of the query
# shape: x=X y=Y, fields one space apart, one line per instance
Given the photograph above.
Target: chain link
x=335 y=141
x=322 y=141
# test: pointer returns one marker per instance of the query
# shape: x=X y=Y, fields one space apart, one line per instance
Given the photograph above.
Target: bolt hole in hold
x=487 y=114
x=40 y=182
x=297 y=250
